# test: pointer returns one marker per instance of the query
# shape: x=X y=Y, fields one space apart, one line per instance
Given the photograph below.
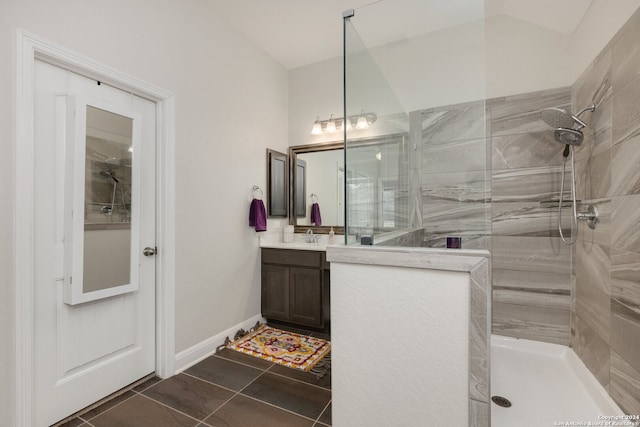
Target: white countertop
x=299 y=243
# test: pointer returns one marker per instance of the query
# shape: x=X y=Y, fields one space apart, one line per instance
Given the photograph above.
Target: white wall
x=314 y=90
x=441 y=68
x=448 y=66
x=231 y=104
x=601 y=22
x=438 y=68
x=523 y=57
x=413 y=326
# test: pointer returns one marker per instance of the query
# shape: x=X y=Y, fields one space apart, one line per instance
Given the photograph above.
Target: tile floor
x=228 y=389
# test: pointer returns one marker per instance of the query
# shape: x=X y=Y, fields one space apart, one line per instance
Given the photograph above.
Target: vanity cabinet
x=295 y=287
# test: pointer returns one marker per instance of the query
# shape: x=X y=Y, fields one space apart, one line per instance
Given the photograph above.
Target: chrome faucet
x=311 y=238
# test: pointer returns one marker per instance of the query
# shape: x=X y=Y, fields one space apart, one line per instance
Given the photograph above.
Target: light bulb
x=331 y=126
x=379 y=155
x=317 y=127
x=362 y=123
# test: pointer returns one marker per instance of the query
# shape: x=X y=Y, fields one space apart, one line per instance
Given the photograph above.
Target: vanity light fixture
x=317 y=127
x=379 y=155
x=360 y=121
x=331 y=125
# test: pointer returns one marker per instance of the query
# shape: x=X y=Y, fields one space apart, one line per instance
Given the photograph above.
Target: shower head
x=568 y=136
x=109 y=174
x=560 y=118
x=564 y=122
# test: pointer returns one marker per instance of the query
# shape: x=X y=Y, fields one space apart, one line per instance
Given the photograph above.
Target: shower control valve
x=591 y=216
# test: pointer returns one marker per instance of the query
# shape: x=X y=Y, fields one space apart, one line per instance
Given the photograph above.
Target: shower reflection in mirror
x=108 y=168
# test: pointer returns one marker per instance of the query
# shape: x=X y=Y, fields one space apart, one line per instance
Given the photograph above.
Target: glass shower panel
x=426 y=85
x=376 y=155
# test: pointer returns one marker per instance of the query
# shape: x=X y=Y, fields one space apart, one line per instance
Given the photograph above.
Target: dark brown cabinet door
x=305 y=296
x=295 y=288
x=275 y=292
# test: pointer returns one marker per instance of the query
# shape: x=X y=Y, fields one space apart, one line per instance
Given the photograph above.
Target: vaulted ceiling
x=301 y=32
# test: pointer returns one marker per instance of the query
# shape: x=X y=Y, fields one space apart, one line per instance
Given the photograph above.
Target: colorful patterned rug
x=285 y=348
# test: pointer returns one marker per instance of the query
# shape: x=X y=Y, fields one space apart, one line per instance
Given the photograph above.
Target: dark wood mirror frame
x=293 y=153
x=277 y=184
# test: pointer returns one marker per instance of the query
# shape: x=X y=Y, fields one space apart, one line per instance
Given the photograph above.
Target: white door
x=87 y=350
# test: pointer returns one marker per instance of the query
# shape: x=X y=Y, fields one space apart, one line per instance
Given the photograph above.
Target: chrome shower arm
x=591 y=108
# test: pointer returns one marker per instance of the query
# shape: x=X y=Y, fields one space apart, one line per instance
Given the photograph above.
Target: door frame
x=29 y=49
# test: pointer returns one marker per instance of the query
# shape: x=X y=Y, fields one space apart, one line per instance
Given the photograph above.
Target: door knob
x=149 y=251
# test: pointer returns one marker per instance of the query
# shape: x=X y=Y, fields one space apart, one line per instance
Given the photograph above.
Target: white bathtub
x=547 y=384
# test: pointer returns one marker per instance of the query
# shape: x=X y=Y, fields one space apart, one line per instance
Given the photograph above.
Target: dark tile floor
x=228 y=389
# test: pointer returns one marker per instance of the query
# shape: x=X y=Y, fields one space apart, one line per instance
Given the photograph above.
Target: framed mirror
x=318 y=179
x=102 y=179
x=316 y=201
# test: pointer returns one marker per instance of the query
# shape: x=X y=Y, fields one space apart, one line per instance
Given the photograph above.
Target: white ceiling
x=302 y=32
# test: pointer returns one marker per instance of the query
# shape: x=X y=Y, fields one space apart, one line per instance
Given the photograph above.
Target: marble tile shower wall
x=453 y=172
x=531 y=265
x=605 y=316
x=517 y=168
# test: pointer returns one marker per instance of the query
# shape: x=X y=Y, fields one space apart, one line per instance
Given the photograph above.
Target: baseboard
x=206 y=348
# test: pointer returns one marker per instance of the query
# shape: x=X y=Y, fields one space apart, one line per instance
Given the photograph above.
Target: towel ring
x=254 y=189
x=314 y=197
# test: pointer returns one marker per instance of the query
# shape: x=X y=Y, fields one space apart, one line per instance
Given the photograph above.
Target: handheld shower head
x=109 y=174
x=568 y=136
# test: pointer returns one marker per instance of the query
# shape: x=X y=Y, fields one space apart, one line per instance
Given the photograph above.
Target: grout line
x=240 y=363
x=252 y=381
x=218 y=408
x=322 y=412
x=172 y=408
x=80 y=414
x=275 y=373
x=278 y=407
x=300 y=381
x=236 y=393
x=147 y=388
x=104 y=412
x=268 y=403
x=210 y=382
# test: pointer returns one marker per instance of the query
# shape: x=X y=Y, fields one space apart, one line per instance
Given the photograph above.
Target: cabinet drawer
x=292 y=257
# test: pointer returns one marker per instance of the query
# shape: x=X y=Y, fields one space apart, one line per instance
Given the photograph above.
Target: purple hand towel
x=315 y=214
x=258 y=215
